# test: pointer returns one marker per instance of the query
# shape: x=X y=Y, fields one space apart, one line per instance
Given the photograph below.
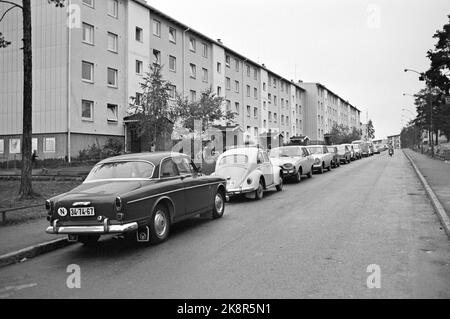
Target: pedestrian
x=33 y=159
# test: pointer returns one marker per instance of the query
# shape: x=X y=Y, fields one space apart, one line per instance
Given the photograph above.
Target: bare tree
x=26 y=190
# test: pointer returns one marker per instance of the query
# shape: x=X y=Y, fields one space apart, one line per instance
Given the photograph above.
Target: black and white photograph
x=224 y=155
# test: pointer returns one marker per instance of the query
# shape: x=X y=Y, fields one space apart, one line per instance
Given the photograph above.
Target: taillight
x=48 y=205
x=118 y=204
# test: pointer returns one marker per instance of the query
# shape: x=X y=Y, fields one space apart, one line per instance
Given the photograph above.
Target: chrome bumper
x=104 y=229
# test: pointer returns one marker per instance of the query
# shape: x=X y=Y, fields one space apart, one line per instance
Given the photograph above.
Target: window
x=156 y=28
x=138 y=99
x=156 y=57
x=282 y=87
x=205 y=50
x=265 y=105
x=275 y=100
x=236 y=62
x=228 y=105
x=270 y=98
x=274 y=83
x=172 y=35
x=139 y=67
x=248 y=90
x=192 y=44
x=236 y=86
x=282 y=119
x=219 y=67
x=172 y=63
x=113 y=42
x=255 y=112
x=270 y=117
x=14 y=146
x=248 y=71
x=193 y=96
x=88 y=33
x=2 y=146
x=112 y=77
x=184 y=165
x=49 y=145
x=112 y=113
x=113 y=8
x=205 y=75
x=193 y=70
x=255 y=74
x=275 y=117
x=255 y=93
x=219 y=91
x=168 y=169
x=172 y=92
x=227 y=61
x=228 y=83
x=139 y=34
x=237 y=107
x=89 y=3
x=248 y=110
x=87 y=71
x=264 y=86
x=265 y=124
x=87 y=110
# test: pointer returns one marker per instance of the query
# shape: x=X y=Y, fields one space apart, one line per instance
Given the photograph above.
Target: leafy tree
x=208 y=110
x=341 y=134
x=26 y=190
x=370 y=130
x=153 y=111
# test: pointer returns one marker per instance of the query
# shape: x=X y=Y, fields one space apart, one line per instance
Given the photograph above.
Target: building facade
x=90 y=58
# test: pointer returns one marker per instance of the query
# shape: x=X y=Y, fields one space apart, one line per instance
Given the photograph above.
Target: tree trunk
x=26 y=190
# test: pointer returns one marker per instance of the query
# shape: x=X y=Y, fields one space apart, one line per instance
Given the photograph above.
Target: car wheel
x=321 y=169
x=259 y=193
x=89 y=240
x=160 y=225
x=280 y=186
x=219 y=205
x=329 y=167
x=298 y=177
x=310 y=172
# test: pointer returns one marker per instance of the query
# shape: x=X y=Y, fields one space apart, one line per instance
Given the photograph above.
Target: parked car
x=345 y=156
x=357 y=150
x=377 y=149
x=352 y=152
x=322 y=158
x=336 y=161
x=295 y=161
x=364 y=146
x=248 y=171
x=140 y=193
x=371 y=149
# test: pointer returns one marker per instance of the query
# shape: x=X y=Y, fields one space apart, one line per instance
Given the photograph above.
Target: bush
x=112 y=147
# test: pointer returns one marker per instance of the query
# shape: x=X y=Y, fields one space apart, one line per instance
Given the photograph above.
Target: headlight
x=288 y=166
x=48 y=205
x=317 y=161
x=249 y=181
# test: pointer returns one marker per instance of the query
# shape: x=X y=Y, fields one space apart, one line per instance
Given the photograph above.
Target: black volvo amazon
x=138 y=193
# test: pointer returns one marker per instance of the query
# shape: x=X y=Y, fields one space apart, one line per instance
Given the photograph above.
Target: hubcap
x=160 y=224
x=219 y=203
x=260 y=190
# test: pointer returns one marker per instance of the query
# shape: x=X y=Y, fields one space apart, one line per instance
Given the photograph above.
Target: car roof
x=241 y=150
x=153 y=157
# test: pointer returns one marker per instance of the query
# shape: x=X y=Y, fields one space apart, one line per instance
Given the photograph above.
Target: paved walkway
x=437 y=174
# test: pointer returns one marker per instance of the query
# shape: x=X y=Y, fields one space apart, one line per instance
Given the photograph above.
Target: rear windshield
x=121 y=170
x=316 y=150
x=234 y=159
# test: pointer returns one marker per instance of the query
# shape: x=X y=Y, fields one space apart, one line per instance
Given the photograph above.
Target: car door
x=309 y=159
x=263 y=161
x=196 y=190
x=172 y=186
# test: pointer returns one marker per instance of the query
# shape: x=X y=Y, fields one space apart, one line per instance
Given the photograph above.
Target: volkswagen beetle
x=138 y=193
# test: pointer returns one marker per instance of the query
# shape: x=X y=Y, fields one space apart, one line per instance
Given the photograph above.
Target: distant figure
x=391 y=150
x=33 y=159
x=152 y=147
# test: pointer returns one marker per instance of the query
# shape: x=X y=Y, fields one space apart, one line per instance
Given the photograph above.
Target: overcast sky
x=357 y=48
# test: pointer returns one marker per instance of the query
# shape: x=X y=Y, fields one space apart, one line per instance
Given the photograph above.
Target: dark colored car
x=344 y=154
x=139 y=193
x=336 y=161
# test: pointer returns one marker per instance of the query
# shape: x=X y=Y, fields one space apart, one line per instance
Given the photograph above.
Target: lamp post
x=423 y=77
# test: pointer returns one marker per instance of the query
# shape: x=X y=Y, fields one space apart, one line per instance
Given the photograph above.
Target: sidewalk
x=75 y=171
x=437 y=174
x=16 y=237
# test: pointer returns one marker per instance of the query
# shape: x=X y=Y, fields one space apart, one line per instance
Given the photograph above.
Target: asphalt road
x=313 y=240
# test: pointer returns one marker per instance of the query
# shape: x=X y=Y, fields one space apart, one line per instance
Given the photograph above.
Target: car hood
x=235 y=174
x=319 y=156
x=280 y=161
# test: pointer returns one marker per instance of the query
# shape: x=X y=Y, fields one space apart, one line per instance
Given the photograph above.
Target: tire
x=298 y=177
x=310 y=173
x=329 y=167
x=88 y=240
x=159 y=224
x=219 y=205
x=280 y=186
x=321 y=169
x=259 y=193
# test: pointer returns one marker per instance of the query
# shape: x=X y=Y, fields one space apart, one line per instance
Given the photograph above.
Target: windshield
x=121 y=170
x=316 y=150
x=286 y=152
x=332 y=150
x=341 y=148
x=234 y=159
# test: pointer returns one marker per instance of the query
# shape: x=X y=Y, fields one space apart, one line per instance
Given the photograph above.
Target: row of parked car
x=142 y=195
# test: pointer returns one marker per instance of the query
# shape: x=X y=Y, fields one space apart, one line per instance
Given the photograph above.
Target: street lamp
x=423 y=77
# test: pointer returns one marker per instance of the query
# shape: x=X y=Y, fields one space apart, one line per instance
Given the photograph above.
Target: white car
x=295 y=161
x=248 y=171
x=322 y=158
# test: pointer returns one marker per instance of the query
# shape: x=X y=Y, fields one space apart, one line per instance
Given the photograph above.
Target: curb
x=439 y=209
x=33 y=251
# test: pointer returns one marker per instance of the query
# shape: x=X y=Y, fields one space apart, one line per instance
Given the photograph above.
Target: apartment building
x=88 y=69
x=324 y=109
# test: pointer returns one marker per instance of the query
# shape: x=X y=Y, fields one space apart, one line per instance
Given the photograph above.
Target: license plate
x=82 y=212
